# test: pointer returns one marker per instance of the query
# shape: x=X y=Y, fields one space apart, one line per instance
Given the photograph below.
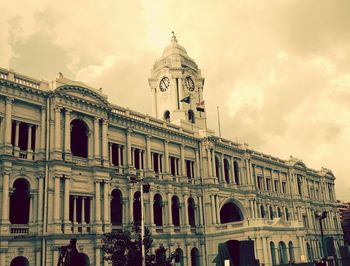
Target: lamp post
x=320 y=218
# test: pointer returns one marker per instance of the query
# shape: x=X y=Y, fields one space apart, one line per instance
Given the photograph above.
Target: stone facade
x=68 y=155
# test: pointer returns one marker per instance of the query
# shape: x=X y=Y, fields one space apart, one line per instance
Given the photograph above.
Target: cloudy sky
x=279 y=70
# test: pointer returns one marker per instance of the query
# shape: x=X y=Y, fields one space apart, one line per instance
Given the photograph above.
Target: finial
x=174 y=37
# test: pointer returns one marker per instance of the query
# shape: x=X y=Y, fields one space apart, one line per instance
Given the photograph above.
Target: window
x=217 y=167
x=291 y=251
x=268 y=184
x=227 y=171
x=305 y=221
x=260 y=183
x=194 y=257
x=230 y=213
x=284 y=187
x=273 y=253
x=282 y=253
x=262 y=211
x=116 y=207
x=116 y=153
x=191 y=117
x=174 y=166
x=276 y=184
x=191 y=212
x=137 y=208
x=79 y=138
x=19 y=202
x=272 y=214
x=166 y=116
x=157 y=162
x=300 y=186
x=138 y=158
x=175 y=210
x=189 y=169
x=236 y=172
x=157 y=210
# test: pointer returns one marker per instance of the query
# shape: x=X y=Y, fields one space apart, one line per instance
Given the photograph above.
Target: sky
x=278 y=70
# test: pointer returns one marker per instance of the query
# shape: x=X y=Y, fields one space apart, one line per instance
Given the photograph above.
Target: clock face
x=164 y=84
x=189 y=83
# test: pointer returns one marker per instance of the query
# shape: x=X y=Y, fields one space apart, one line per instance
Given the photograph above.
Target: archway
x=137 y=208
x=157 y=210
x=230 y=213
x=79 y=138
x=273 y=253
x=310 y=255
x=291 y=251
x=191 y=212
x=179 y=259
x=20 y=261
x=195 y=257
x=282 y=252
x=20 y=202
x=117 y=207
x=175 y=210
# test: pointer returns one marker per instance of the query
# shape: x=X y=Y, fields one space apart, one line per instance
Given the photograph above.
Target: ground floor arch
x=20 y=261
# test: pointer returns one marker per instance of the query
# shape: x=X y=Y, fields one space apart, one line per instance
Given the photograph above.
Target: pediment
x=84 y=94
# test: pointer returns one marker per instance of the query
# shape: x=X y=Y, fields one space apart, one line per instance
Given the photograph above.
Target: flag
x=187 y=99
x=200 y=106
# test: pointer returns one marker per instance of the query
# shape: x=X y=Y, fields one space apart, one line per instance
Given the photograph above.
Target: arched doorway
x=157 y=210
x=282 y=252
x=20 y=261
x=230 y=213
x=191 y=212
x=195 y=257
x=273 y=253
x=117 y=207
x=291 y=251
x=137 y=208
x=175 y=212
x=309 y=252
x=20 y=202
x=79 y=138
x=179 y=259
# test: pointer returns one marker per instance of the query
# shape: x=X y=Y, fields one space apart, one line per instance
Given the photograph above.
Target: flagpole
x=219 y=121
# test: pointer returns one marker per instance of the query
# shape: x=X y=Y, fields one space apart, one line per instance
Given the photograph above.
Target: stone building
x=68 y=155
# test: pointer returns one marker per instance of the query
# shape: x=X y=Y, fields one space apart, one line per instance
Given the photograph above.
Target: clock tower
x=177 y=88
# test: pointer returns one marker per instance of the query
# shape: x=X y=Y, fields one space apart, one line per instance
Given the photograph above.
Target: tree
x=124 y=248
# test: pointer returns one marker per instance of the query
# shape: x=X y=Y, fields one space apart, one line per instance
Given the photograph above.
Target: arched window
x=310 y=255
x=194 y=257
x=262 y=211
x=279 y=213
x=191 y=212
x=19 y=202
x=23 y=136
x=236 y=171
x=227 y=171
x=291 y=251
x=230 y=213
x=157 y=210
x=179 y=259
x=273 y=253
x=282 y=252
x=191 y=117
x=79 y=138
x=137 y=208
x=287 y=214
x=20 y=261
x=138 y=159
x=175 y=213
x=166 y=116
x=217 y=167
x=117 y=207
x=271 y=213
x=299 y=185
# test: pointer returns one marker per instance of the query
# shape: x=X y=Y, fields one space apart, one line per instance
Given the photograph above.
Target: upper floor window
x=79 y=138
x=116 y=154
x=236 y=172
x=284 y=187
x=191 y=117
x=20 y=202
x=276 y=185
x=174 y=166
x=157 y=162
x=268 y=184
x=166 y=116
x=227 y=171
x=138 y=158
x=300 y=185
x=260 y=182
x=189 y=169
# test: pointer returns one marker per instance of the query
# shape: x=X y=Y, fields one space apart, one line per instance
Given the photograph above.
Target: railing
x=80 y=160
x=19 y=229
x=3 y=75
x=27 y=82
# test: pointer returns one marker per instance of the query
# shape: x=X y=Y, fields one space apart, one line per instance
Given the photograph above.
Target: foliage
x=124 y=248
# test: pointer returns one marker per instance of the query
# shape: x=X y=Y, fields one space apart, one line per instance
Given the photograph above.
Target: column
x=17 y=134
x=43 y=129
x=83 y=210
x=96 y=138
x=74 y=210
x=130 y=209
x=151 y=215
x=148 y=153
x=265 y=249
x=55 y=256
x=213 y=165
x=251 y=209
x=186 y=223
x=188 y=253
x=57 y=200
x=120 y=155
x=37 y=257
x=197 y=173
x=200 y=210
x=97 y=204
x=217 y=209
x=106 y=203
x=233 y=177
x=213 y=215
x=104 y=139
x=37 y=138
x=66 y=204
x=210 y=170
x=57 y=129
x=169 y=209
x=110 y=145
x=97 y=256
x=222 y=168
x=40 y=198
x=8 y=121
x=182 y=158
x=29 y=139
x=67 y=132
x=128 y=146
x=300 y=247
x=5 y=199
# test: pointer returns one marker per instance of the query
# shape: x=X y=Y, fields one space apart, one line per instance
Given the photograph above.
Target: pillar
x=83 y=210
x=57 y=200
x=213 y=215
x=128 y=146
x=74 y=210
x=43 y=129
x=57 y=129
x=200 y=210
x=151 y=215
x=97 y=256
x=197 y=173
x=222 y=168
x=29 y=139
x=5 y=199
x=210 y=171
x=169 y=209
x=97 y=202
x=37 y=257
x=182 y=158
x=265 y=250
x=106 y=203
x=17 y=134
x=40 y=198
x=8 y=120
x=213 y=165
x=96 y=138
x=148 y=153
x=67 y=133
x=66 y=204
x=233 y=176
x=55 y=256
x=185 y=198
x=104 y=139
x=217 y=209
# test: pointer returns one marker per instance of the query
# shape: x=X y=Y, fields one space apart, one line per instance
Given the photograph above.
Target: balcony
x=19 y=229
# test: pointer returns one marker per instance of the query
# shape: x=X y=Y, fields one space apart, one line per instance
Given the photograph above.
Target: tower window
x=167 y=116
x=191 y=117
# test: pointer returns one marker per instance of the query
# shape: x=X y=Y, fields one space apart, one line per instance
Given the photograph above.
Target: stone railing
x=80 y=161
x=10 y=75
x=19 y=229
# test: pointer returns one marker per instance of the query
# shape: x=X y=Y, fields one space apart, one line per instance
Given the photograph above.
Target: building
x=344 y=210
x=67 y=156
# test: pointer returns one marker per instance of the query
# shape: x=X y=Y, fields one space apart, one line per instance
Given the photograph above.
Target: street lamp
x=320 y=218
